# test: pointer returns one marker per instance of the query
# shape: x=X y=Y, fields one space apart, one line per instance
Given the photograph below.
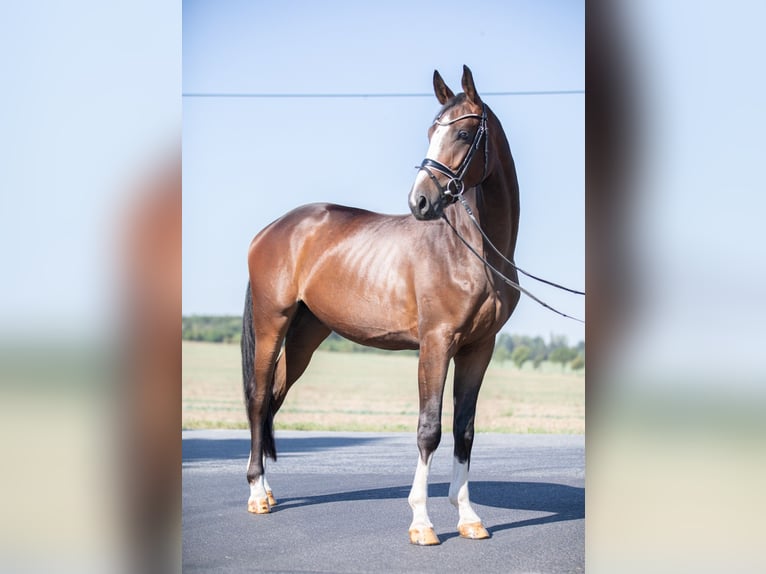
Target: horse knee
x=429 y=436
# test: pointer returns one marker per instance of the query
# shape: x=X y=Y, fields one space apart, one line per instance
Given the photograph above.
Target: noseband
x=455 y=186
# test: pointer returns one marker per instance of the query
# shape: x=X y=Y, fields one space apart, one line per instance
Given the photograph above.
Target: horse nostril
x=422 y=204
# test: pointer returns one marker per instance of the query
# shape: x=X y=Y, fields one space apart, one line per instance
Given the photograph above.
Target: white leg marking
x=458 y=493
x=258 y=489
x=257 y=502
x=419 y=496
x=265 y=482
x=269 y=492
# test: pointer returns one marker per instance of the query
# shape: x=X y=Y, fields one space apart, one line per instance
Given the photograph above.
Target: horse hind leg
x=304 y=335
x=261 y=342
x=260 y=419
x=470 y=367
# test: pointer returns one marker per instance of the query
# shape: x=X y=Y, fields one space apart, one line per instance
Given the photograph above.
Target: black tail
x=248 y=377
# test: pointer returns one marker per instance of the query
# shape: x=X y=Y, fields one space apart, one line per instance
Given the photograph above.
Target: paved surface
x=342 y=505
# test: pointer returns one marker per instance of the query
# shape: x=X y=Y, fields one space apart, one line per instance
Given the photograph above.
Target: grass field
x=378 y=392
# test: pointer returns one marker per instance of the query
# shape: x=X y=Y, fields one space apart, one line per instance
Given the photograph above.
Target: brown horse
x=393 y=282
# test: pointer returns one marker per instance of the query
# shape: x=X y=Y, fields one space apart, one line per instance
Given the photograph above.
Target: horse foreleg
x=421 y=529
x=470 y=366
x=432 y=372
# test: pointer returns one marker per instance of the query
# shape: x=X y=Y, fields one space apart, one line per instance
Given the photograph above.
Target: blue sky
x=249 y=160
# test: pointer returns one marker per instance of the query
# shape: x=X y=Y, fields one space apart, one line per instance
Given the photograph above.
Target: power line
x=367 y=95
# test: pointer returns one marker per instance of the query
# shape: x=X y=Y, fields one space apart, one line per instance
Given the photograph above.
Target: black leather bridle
x=455 y=185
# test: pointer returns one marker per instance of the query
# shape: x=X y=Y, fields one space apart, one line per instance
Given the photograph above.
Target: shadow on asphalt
x=560 y=501
x=197 y=449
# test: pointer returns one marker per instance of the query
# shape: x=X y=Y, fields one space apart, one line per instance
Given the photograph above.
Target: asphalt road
x=342 y=505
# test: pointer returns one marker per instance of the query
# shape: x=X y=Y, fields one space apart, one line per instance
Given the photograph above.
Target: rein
x=510 y=282
x=508 y=261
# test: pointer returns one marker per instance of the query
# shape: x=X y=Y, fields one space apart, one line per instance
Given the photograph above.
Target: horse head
x=457 y=155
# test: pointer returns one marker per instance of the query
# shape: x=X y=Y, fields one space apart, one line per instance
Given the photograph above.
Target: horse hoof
x=423 y=537
x=270 y=498
x=473 y=530
x=258 y=505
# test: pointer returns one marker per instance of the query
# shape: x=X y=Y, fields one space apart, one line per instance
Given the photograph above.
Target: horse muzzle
x=425 y=202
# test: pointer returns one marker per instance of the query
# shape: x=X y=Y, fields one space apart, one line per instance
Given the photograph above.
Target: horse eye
x=462 y=135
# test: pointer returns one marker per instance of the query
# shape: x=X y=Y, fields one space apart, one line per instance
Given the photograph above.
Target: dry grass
x=375 y=392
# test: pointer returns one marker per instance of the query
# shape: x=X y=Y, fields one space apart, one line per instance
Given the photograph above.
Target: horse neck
x=498 y=205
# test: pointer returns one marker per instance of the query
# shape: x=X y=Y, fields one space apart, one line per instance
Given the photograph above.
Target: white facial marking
x=435 y=147
x=458 y=493
x=419 y=496
x=438 y=143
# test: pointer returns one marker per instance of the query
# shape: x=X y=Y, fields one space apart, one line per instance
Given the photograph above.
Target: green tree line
x=522 y=348
x=213 y=329
x=519 y=349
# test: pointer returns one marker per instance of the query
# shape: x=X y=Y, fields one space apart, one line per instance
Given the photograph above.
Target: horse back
x=351 y=267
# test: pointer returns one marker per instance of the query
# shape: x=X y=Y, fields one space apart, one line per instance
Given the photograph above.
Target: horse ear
x=443 y=93
x=468 y=86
